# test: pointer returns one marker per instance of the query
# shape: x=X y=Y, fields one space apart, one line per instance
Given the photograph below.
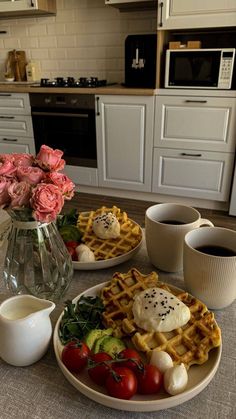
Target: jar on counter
x=33 y=71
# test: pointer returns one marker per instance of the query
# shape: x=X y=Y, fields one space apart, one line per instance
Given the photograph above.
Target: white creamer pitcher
x=25 y=329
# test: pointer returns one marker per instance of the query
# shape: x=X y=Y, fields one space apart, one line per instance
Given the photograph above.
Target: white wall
x=85 y=38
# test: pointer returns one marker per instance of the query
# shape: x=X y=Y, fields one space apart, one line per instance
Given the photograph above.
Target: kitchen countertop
x=41 y=391
x=116 y=89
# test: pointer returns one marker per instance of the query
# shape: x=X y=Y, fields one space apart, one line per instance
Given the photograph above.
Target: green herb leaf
x=79 y=318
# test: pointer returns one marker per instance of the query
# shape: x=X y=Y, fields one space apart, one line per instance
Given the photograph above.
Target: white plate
x=108 y=263
x=199 y=377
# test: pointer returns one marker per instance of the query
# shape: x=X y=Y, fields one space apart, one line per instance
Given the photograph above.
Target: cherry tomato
x=72 y=252
x=72 y=243
x=150 y=380
x=75 y=355
x=99 y=373
x=121 y=383
x=133 y=359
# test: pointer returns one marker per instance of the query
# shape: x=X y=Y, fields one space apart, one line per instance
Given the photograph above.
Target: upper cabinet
x=180 y=14
x=128 y=5
x=23 y=8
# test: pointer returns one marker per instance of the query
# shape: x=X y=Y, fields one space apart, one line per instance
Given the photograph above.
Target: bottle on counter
x=33 y=71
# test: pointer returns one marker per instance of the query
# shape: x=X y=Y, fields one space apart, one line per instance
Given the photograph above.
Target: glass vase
x=37 y=261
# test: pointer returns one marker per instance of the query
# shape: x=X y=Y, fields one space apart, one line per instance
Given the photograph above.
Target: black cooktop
x=72 y=82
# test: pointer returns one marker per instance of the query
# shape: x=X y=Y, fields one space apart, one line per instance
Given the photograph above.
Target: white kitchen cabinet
x=24 y=8
x=180 y=14
x=195 y=122
x=195 y=174
x=125 y=141
x=194 y=146
x=17 y=144
x=126 y=5
x=16 y=129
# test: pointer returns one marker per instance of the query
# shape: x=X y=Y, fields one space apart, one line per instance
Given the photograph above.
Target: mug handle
x=205 y=222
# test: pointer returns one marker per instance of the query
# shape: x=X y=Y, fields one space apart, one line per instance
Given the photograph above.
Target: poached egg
x=157 y=310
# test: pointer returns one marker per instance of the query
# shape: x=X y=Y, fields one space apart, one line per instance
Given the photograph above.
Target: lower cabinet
x=189 y=173
x=124 y=127
x=10 y=145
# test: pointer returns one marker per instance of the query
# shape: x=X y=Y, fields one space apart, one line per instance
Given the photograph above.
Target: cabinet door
x=16 y=145
x=180 y=14
x=186 y=173
x=19 y=8
x=14 y=104
x=125 y=142
x=202 y=123
x=16 y=125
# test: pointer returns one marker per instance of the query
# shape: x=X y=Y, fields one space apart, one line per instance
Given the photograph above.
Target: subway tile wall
x=85 y=38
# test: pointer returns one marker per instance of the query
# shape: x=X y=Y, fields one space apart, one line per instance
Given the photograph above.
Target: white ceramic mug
x=210 y=265
x=165 y=228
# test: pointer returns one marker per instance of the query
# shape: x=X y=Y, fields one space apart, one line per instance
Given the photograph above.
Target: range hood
x=132 y=5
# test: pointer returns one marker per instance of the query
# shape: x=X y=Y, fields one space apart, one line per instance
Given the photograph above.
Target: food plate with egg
x=108 y=237
x=199 y=376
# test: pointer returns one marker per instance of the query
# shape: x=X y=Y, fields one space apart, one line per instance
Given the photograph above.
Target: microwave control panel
x=226 y=69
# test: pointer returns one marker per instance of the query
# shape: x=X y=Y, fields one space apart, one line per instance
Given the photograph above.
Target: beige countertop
x=117 y=89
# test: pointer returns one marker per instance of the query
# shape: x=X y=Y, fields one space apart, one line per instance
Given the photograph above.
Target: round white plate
x=108 y=263
x=199 y=376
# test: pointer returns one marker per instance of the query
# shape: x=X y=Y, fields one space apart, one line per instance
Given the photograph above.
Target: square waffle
x=130 y=234
x=189 y=344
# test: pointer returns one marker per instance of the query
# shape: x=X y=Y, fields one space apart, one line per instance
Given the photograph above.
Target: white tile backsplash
x=84 y=38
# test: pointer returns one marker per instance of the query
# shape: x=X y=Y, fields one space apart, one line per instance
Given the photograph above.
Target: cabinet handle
x=97 y=111
x=191 y=154
x=6 y=117
x=195 y=101
x=161 y=11
x=5 y=94
x=10 y=140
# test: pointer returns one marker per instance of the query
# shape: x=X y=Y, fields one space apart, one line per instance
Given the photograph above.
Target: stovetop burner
x=72 y=82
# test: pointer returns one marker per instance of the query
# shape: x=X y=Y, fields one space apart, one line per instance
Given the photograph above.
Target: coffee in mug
x=165 y=228
x=210 y=265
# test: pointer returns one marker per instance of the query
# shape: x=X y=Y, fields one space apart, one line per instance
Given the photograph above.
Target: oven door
x=72 y=131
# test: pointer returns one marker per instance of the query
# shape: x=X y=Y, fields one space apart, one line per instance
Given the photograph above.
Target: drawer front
x=14 y=103
x=195 y=123
x=16 y=145
x=205 y=175
x=19 y=126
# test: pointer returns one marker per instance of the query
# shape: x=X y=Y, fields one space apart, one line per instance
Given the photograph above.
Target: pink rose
x=32 y=175
x=63 y=182
x=23 y=159
x=50 y=159
x=7 y=167
x=4 y=196
x=47 y=202
x=19 y=193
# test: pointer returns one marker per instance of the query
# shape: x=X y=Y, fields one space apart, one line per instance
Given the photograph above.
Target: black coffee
x=175 y=222
x=216 y=250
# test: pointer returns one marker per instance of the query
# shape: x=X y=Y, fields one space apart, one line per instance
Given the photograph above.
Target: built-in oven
x=66 y=122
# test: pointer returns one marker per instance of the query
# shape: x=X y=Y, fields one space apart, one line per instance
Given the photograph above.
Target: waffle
x=189 y=344
x=130 y=234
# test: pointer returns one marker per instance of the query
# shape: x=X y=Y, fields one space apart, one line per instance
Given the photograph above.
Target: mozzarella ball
x=161 y=359
x=175 y=379
x=84 y=254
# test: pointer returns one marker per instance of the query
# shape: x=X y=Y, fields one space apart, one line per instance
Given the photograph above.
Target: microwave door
x=194 y=69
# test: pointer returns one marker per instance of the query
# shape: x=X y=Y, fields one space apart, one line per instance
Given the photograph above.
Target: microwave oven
x=199 y=68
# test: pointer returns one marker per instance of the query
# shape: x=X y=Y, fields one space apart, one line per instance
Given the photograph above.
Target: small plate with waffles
x=109 y=252
x=197 y=344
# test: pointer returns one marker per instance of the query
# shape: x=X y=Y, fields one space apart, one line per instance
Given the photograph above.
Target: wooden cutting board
x=17 y=62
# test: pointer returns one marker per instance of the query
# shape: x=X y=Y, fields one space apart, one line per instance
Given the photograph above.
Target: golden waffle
x=118 y=296
x=130 y=234
x=189 y=344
